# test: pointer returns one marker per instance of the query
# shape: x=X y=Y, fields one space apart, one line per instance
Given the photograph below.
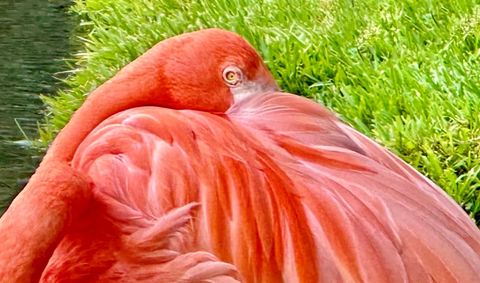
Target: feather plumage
x=277 y=189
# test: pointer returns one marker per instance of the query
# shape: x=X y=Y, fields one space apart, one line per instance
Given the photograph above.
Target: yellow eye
x=232 y=76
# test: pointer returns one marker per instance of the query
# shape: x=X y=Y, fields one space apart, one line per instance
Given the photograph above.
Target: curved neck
x=136 y=85
x=150 y=80
x=37 y=219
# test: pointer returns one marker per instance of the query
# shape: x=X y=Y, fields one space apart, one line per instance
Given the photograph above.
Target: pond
x=34 y=39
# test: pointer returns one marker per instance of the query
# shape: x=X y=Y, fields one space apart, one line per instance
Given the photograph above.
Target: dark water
x=34 y=38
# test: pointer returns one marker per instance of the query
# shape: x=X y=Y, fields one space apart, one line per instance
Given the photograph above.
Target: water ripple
x=34 y=37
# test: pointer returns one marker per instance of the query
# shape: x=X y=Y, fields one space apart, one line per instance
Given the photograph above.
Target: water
x=34 y=38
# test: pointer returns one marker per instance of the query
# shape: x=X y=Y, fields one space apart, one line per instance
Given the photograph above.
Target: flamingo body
x=190 y=166
x=277 y=186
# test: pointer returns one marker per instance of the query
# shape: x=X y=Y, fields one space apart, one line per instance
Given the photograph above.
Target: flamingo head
x=206 y=70
x=210 y=69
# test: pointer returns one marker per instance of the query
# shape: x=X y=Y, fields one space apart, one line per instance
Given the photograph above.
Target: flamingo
x=190 y=165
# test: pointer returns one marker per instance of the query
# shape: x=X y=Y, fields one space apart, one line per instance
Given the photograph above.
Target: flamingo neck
x=134 y=86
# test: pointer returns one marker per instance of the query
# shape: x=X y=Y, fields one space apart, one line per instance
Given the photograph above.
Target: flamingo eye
x=232 y=76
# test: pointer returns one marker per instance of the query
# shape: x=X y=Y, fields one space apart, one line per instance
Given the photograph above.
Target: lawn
x=404 y=72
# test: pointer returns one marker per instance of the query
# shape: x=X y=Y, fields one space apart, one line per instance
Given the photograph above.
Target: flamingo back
x=276 y=189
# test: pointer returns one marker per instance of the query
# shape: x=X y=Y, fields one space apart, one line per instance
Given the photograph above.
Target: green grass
x=404 y=72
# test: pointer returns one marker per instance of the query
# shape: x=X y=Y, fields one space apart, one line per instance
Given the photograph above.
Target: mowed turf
x=404 y=72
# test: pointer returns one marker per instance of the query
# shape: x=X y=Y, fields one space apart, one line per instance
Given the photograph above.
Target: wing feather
x=365 y=199
x=277 y=189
